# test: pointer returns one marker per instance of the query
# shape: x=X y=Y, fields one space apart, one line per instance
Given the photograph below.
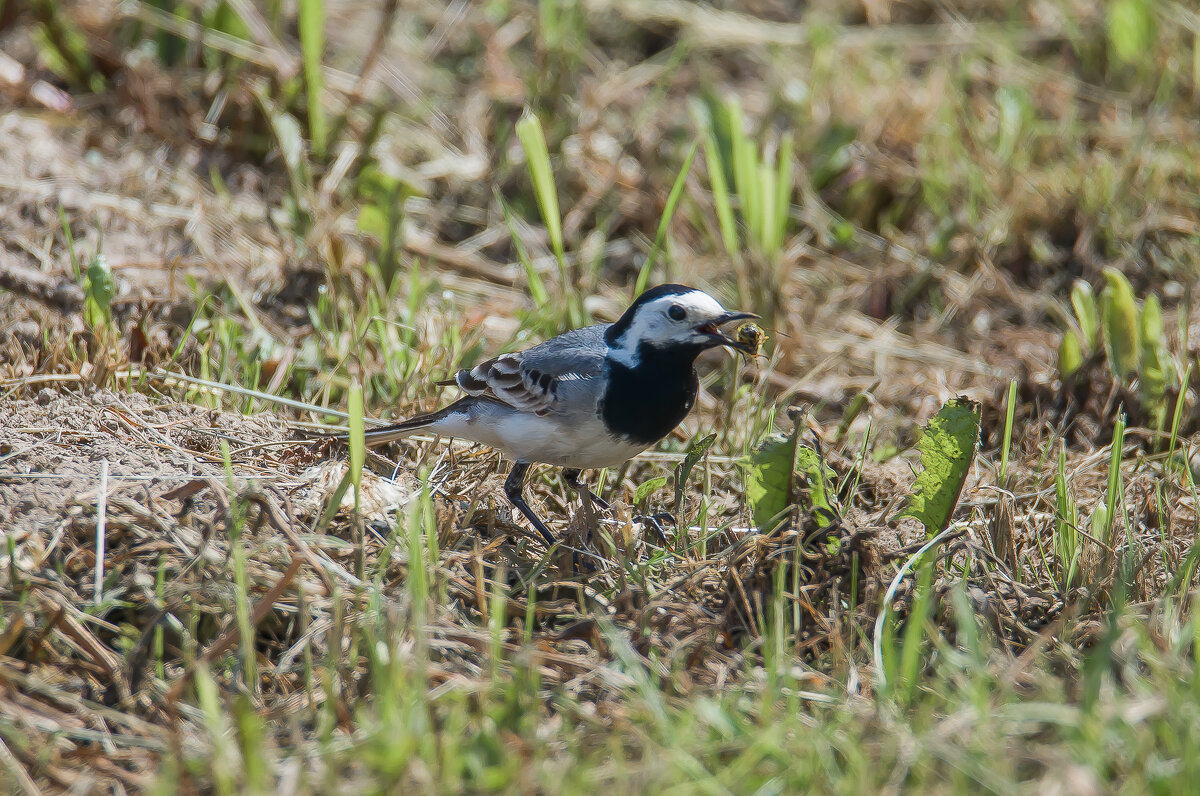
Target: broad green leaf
x=1070 y=354
x=646 y=488
x=768 y=474
x=947 y=450
x=818 y=493
x=1083 y=300
x=694 y=454
x=1119 y=314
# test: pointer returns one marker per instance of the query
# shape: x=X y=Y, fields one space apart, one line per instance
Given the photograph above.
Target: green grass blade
x=533 y=280
x=537 y=158
x=358 y=445
x=694 y=454
x=765 y=188
x=673 y=198
x=311 y=22
x=1010 y=408
x=1114 y=478
x=1177 y=416
x=784 y=181
x=722 y=202
x=914 y=631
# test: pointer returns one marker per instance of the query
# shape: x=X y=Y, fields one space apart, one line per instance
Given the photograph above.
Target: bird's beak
x=716 y=337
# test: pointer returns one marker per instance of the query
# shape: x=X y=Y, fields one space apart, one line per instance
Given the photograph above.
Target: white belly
x=526 y=437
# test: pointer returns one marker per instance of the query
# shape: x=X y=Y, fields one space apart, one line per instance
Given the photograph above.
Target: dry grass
x=957 y=170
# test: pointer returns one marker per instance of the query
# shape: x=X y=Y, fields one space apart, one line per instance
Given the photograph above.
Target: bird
x=589 y=398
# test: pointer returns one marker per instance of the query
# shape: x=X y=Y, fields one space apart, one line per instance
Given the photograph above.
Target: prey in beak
x=716 y=337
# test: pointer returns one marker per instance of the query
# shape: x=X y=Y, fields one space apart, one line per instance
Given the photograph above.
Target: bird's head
x=673 y=318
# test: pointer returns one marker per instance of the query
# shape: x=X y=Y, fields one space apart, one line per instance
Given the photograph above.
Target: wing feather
x=532 y=380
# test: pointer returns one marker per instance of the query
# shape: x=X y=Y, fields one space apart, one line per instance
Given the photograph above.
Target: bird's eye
x=676 y=312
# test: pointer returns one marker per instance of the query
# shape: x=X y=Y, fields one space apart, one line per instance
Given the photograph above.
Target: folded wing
x=544 y=379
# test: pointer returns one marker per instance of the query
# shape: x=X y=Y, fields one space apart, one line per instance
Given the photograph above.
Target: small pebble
x=45 y=396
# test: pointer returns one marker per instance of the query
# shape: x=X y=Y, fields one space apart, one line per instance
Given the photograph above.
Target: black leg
x=571 y=476
x=514 y=487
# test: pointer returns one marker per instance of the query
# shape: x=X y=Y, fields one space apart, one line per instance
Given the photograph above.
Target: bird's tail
x=414 y=425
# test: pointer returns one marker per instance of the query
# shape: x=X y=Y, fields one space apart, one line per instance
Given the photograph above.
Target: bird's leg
x=571 y=476
x=514 y=490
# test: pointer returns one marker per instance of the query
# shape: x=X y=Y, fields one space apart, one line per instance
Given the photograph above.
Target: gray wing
x=545 y=378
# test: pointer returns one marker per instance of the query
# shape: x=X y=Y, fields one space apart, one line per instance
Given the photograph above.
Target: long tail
x=414 y=425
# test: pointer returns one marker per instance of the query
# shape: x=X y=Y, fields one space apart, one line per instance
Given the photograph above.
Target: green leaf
x=1083 y=300
x=818 y=477
x=1154 y=364
x=1070 y=354
x=646 y=488
x=694 y=454
x=1119 y=314
x=1131 y=30
x=99 y=289
x=768 y=475
x=947 y=450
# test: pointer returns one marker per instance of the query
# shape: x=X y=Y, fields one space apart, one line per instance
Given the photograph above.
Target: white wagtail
x=590 y=398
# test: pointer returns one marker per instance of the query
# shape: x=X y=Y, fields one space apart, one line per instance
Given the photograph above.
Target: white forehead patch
x=699 y=305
